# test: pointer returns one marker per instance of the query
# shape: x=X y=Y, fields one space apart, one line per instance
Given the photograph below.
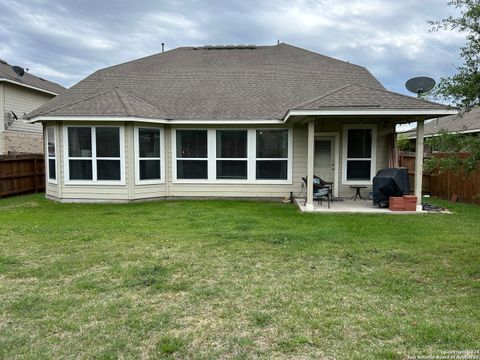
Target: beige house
x=18 y=96
x=233 y=121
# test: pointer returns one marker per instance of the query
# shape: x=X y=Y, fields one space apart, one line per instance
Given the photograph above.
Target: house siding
x=131 y=191
x=20 y=136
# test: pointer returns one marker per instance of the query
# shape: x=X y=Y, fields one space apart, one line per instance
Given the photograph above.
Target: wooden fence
x=464 y=187
x=21 y=174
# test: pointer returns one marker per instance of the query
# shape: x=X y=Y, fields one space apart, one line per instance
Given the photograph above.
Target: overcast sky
x=65 y=42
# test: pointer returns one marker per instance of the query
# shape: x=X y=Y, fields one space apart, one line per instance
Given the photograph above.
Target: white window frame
x=212 y=158
x=48 y=157
x=231 y=159
x=94 y=157
x=175 y=158
x=138 y=181
x=289 y=172
x=372 y=159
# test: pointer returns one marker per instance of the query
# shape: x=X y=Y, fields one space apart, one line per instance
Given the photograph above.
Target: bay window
x=94 y=154
x=232 y=155
x=149 y=155
x=359 y=154
x=51 y=155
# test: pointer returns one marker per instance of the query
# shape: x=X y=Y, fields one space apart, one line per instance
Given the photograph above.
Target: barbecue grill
x=390 y=182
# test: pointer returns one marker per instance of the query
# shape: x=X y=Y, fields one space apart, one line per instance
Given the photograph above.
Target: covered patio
x=317 y=121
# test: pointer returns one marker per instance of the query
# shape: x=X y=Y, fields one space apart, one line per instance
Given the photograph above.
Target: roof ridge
x=79 y=101
x=121 y=102
x=137 y=97
x=305 y=103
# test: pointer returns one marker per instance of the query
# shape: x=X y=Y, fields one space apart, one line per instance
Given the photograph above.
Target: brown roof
x=28 y=79
x=220 y=84
x=352 y=96
x=465 y=122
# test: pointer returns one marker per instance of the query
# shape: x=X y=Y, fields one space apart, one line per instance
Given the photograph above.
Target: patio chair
x=321 y=189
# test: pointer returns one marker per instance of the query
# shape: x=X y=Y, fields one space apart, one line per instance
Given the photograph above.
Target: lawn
x=234 y=279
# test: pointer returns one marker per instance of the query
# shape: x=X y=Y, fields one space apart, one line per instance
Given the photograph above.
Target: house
x=463 y=123
x=18 y=96
x=222 y=121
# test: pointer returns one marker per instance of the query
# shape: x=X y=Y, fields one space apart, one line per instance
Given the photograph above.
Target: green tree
x=403 y=144
x=459 y=153
x=463 y=88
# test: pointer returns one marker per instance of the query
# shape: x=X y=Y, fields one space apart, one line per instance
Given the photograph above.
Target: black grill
x=390 y=182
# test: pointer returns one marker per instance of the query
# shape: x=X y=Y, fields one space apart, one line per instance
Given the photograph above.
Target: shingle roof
x=464 y=122
x=199 y=84
x=28 y=79
x=351 y=95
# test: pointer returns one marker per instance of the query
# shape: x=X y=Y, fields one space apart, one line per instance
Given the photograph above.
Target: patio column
x=310 y=155
x=419 y=163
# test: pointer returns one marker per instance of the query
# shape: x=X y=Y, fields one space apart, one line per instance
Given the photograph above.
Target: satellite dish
x=420 y=85
x=18 y=70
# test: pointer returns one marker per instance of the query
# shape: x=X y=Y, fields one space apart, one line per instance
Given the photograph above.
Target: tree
x=463 y=88
x=403 y=144
x=459 y=153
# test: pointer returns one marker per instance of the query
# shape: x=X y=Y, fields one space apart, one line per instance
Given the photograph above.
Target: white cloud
x=67 y=41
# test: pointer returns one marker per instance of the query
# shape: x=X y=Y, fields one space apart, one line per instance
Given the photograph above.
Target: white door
x=324 y=160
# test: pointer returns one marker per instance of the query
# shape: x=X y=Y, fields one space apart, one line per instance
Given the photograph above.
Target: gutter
x=28 y=86
x=379 y=112
x=290 y=113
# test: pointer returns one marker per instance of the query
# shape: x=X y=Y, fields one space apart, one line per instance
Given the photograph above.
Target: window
x=51 y=155
x=149 y=154
x=231 y=154
x=191 y=152
x=94 y=154
x=272 y=155
x=359 y=149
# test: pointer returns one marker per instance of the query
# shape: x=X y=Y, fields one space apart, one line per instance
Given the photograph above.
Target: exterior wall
x=299 y=163
x=383 y=131
x=131 y=191
x=14 y=142
x=20 y=136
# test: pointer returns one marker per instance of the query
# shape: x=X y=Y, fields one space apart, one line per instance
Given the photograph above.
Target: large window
x=230 y=155
x=148 y=149
x=359 y=154
x=51 y=155
x=272 y=154
x=94 y=154
x=191 y=152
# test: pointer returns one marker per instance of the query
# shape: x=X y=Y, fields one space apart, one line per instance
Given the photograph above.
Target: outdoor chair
x=321 y=189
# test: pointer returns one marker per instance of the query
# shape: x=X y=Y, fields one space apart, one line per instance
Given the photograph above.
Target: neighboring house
x=18 y=96
x=242 y=121
x=463 y=123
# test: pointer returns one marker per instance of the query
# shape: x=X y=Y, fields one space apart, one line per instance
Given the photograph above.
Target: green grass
x=234 y=279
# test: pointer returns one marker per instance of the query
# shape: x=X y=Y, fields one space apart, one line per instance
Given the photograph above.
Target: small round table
x=357 y=192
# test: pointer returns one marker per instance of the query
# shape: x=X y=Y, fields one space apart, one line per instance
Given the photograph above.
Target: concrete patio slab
x=350 y=206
